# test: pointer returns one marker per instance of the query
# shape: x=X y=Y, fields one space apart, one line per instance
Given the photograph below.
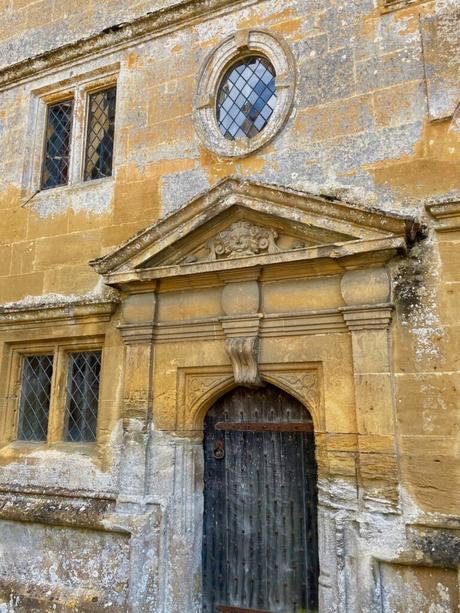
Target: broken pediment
x=242 y=224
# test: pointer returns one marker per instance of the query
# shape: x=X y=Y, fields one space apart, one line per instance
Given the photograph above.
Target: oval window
x=246 y=98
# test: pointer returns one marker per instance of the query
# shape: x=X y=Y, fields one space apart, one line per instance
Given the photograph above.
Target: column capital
x=368 y=317
x=135 y=334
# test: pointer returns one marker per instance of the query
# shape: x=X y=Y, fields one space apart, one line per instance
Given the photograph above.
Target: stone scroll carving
x=244 y=355
x=243 y=238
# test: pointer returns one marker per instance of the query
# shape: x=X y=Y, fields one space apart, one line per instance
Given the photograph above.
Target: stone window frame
x=232 y=49
x=77 y=89
x=58 y=394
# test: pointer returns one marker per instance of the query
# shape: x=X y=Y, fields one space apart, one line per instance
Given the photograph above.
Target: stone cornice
x=117 y=37
x=447 y=215
x=43 y=314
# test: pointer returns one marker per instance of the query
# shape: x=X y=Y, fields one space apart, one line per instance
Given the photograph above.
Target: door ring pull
x=219 y=450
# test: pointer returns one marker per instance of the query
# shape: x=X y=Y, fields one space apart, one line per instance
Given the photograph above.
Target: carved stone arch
x=199 y=388
x=302 y=385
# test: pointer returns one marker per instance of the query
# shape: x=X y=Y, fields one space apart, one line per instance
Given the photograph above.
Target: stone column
x=137 y=332
x=368 y=316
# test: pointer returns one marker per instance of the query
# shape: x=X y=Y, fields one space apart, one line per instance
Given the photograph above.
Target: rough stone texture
x=375 y=123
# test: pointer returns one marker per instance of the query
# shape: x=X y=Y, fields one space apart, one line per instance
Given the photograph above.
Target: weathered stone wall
x=375 y=122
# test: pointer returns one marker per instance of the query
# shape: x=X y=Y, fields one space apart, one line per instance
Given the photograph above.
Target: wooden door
x=260 y=546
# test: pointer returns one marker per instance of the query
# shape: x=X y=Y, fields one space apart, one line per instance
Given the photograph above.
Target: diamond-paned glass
x=37 y=372
x=82 y=396
x=57 y=145
x=246 y=98
x=100 y=134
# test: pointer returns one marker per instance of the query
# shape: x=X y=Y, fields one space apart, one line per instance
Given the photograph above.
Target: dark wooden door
x=260 y=550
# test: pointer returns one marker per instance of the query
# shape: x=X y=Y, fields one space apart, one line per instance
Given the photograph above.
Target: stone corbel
x=242 y=347
x=244 y=355
x=240 y=303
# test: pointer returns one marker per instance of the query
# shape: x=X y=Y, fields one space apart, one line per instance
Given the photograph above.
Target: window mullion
x=57 y=400
x=78 y=122
x=14 y=399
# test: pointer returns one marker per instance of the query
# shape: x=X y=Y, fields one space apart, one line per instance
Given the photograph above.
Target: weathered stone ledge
x=117 y=37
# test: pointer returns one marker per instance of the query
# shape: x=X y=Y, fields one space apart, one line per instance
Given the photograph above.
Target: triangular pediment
x=239 y=223
x=240 y=232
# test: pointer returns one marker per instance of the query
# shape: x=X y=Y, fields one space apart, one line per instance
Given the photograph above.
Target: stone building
x=229 y=321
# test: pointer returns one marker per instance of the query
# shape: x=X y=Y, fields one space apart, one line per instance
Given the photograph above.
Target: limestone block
x=374 y=400
x=16 y=287
x=241 y=298
x=418 y=588
x=342 y=464
x=427 y=348
x=441 y=46
x=449 y=299
x=327 y=77
x=73 y=280
x=400 y=104
x=428 y=403
x=95 y=567
x=337 y=118
x=139 y=308
x=190 y=304
x=450 y=257
x=59 y=250
x=430 y=471
x=369 y=286
x=299 y=295
x=5 y=260
x=49 y=223
x=383 y=71
x=370 y=351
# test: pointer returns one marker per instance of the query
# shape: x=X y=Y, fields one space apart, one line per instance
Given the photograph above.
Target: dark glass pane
x=82 y=396
x=246 y=98
x=99 y=140
x=37 y=371
x=57 y=145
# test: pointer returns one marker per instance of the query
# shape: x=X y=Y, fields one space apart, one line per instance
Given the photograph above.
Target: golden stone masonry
x=229 y=306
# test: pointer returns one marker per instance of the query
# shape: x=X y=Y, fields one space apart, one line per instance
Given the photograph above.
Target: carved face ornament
x=243 y=239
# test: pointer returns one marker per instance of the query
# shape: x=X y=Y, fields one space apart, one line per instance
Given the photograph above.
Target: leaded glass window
x=246 y=98
x=100 y=134
x=82 y=396
x=57 y=145
x=34 y=404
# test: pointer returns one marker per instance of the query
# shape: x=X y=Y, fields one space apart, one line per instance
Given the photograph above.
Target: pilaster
x=368 y=316
x=137 y=333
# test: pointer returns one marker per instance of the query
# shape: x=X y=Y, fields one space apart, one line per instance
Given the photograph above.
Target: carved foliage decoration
x=244 y=355
x=304 y=383
x=243 y=238
x=198 y=388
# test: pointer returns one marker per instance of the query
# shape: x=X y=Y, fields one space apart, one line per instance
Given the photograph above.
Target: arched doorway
x=260 y=543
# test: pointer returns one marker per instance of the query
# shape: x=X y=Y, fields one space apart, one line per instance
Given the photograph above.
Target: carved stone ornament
x=305 y=384
x=243 y=238
x=244 y=355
